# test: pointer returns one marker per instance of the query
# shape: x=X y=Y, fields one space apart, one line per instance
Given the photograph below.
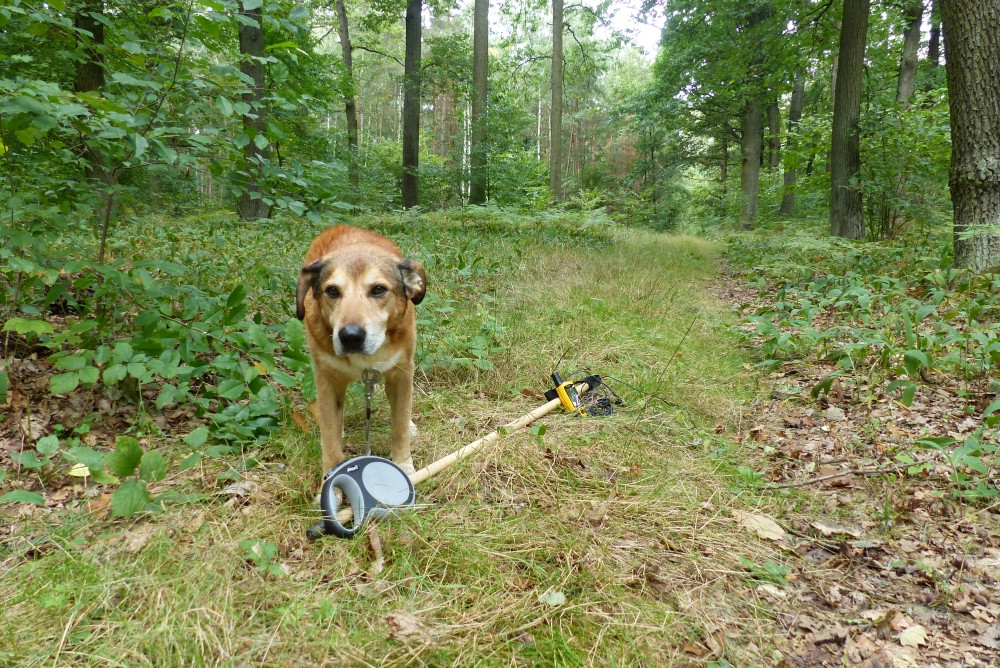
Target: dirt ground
x=890 y=569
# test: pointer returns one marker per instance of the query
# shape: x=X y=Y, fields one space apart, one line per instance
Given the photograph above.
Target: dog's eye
x=332 y=292
x=379 y=290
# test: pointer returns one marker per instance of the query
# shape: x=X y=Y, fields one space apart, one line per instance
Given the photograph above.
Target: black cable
x=653 y=396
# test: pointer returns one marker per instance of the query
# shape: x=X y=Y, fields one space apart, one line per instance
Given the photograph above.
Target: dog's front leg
x=399 y=390
x=331 y=392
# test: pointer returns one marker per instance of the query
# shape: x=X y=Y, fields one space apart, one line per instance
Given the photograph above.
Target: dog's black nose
x=352 y=338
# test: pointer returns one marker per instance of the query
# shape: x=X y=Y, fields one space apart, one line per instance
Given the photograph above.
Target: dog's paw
x=407 y=466
x=414 y=432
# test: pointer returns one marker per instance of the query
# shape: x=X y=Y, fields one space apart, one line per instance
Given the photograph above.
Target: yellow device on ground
x=566 y=392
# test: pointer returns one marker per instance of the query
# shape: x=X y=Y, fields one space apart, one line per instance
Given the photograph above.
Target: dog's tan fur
x=354 y=278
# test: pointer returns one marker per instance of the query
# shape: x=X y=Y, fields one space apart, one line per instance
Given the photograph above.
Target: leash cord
x=369 y=377
x=603 y=404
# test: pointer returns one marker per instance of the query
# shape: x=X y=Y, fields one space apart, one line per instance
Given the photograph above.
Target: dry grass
x=626 y=516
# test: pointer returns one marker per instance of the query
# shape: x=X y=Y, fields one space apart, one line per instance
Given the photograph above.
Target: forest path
x=647 y=536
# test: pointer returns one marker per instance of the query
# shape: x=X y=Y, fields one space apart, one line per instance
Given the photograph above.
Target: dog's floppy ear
x=307 y=280
x=414 y=281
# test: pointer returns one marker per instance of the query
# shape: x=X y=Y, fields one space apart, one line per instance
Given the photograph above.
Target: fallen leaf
x=832 y=528
x=715 y=640
x=834 y=414
x=404 y=625
x=137 y=539
x=990 y=637
x=528 y=392
x=99 y=504
x=552 y=598
x=762 y=525
x=913 y=637
x=195 y=522
x=241 y=489
x=694 y=650
x=771 y=590
x=835 y=634
x=79 y=471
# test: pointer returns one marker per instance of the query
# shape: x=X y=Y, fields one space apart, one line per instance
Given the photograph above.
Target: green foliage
x=262 y=554
x=23 y=496
x=768 y=572
x=891 y=319
x=901 y=186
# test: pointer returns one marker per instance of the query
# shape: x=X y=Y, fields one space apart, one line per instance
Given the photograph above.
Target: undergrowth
x=885 y=318
x=600 y=541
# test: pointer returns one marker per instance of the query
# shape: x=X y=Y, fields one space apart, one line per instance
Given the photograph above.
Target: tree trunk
x=774 y=135
x=90 y=77
x=914 y=13
x=555 y=113
x=934 y=45
x=350 y=106
x=724 y=165
x=411 y=106
x=480 y=84
x=750 y=145
x=90 y=73
x=846 y=211
x=972 y=53
x=794 y=115
x=250 y=205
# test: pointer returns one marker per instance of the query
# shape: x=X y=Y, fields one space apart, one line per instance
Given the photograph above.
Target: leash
x=374 y=487
x=370 y=377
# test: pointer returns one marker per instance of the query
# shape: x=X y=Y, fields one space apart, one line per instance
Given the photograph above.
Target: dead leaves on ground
x=892 y=571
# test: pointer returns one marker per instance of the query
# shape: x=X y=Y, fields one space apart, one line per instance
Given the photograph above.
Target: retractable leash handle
x=360 y=508
x=373 y=487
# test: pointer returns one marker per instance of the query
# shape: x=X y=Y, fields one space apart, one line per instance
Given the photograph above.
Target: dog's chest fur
x=353 y=366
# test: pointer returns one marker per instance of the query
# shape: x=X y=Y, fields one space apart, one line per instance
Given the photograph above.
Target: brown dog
x=356 y=297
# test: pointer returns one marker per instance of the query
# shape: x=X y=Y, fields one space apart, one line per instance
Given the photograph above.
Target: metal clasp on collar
x=369 y=377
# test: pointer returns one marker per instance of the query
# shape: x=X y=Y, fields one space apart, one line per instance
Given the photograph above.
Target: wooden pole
x=346 y=514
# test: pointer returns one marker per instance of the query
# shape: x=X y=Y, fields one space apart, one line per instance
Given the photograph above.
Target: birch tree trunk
x=480 y=84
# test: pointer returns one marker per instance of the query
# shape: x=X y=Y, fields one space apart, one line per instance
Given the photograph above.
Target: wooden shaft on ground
x=344 y=515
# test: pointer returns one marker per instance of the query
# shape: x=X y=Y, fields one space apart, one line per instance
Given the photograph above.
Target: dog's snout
x=352 y=338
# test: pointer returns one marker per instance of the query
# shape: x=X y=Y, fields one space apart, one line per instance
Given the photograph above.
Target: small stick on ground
x=841 y=474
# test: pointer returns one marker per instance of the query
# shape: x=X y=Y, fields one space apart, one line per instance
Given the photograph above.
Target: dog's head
x=360 y=296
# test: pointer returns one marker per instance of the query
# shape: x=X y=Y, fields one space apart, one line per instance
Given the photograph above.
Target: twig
x=583 y=50
x=825 y=544
x=840 y=474
x=377 y=52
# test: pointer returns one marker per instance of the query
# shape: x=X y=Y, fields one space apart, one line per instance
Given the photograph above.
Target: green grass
x=626 y=516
